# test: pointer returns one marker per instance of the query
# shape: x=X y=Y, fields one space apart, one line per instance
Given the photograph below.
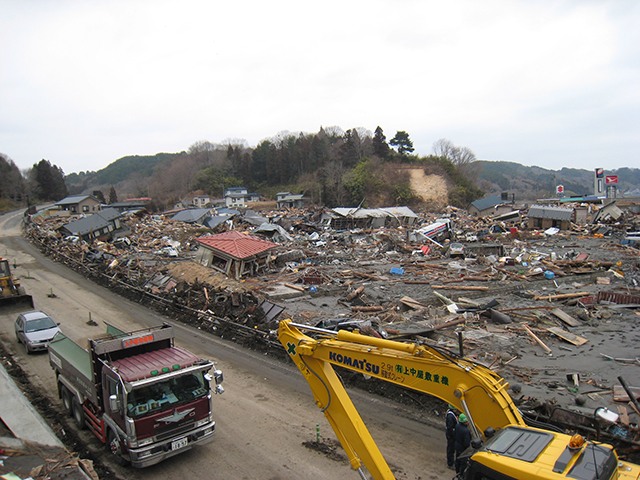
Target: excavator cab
x=11 y=293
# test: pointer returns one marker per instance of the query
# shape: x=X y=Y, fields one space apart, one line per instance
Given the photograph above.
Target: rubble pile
x=553 y=311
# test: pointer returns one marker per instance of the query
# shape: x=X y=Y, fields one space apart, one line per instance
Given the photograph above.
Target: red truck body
x=142 y=396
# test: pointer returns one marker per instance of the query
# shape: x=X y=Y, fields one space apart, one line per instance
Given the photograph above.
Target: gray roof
x=487 y=202
x=192 y=215
x=72 y=200
x=93 y=222
x=213 y=222
x=553 y=213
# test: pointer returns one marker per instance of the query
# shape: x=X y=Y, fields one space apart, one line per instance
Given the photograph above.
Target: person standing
x=451 y=421
x=462 y=439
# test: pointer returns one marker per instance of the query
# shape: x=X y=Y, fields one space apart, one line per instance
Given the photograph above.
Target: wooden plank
x=624 y=415
x=535 y=337
x=619 y=395
x=566 y=318
x=568 y=336
x=411 y=303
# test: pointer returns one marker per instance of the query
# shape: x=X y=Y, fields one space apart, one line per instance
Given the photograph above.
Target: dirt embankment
x=431 y=188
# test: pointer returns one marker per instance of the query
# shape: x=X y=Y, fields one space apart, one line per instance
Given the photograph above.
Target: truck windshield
x=166 y=394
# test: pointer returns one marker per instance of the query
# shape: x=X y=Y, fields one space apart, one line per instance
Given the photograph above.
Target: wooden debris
x=566 y=318
x=411 y=303
x=457 y=287
x=568 y=336
x=562 y=296
x=295 y=287
x=620 y=395
x=535 y=337
x=367 y=309
x=355 y=293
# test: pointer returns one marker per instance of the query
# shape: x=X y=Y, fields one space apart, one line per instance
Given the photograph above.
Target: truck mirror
x=217 y=374
x=114 y=403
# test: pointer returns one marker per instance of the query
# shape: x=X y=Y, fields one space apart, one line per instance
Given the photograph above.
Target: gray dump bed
x=74 y=363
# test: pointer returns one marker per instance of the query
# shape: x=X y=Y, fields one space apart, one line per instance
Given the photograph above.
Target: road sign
x=611 y=179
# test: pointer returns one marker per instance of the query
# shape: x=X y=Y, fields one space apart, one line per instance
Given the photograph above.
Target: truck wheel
x=65 y=394
x=78 y=413
x=114 y=446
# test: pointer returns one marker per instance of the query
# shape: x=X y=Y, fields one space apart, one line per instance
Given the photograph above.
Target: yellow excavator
x=11 y=293
x=504 y=447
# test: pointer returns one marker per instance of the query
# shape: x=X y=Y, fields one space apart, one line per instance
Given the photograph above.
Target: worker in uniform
x=462 y=437
x=451 y=420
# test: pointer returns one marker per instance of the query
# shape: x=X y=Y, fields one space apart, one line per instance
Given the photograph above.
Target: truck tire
x=65 y=395
x=115 y=447
x=78 y=413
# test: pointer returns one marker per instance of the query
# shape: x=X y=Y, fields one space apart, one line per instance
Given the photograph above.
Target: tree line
x=331 y=167
x=43 y=182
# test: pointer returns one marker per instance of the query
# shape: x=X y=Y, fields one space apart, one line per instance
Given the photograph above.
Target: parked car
x=456 y=250
x=35 y=330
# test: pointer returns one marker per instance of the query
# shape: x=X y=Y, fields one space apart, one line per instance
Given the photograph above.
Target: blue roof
x=487 y=202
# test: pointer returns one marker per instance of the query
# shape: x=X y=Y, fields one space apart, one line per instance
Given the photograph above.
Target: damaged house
x=346 y=218
x=235 y=254
x=543 y=217
x=99 y=226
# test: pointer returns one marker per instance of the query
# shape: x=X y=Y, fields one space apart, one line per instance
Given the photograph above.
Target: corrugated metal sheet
x=140 y=366
x=553 y=213
x=236 y=244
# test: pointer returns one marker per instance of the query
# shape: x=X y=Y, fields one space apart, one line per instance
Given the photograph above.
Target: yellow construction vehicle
x=11 y=293
x=504 y=447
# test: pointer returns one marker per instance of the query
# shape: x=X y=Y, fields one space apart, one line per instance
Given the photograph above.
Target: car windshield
x=165 y=395
x=35 y=325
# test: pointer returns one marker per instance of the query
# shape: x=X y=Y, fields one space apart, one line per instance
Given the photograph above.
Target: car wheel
x=78 y=413
x=115 y=447
x=65 y=395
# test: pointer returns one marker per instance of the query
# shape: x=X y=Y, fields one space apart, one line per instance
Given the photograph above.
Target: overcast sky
x=548 y=83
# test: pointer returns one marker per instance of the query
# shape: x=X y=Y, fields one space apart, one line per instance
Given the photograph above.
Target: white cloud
x=549 y=83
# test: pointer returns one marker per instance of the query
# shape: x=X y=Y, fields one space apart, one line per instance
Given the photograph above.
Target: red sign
x=560 y=189
x=133 y=341
x=610 y=179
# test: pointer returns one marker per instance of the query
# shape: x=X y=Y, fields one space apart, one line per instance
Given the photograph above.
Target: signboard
x=559 y=189
x=611 y=179
x=599 y=172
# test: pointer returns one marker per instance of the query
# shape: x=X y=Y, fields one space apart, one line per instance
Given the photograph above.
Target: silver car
x=35 y=330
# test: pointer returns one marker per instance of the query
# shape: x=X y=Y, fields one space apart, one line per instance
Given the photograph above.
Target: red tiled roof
x=236 y=244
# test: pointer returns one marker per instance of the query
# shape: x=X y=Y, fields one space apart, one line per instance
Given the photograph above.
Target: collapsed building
x=530 y=303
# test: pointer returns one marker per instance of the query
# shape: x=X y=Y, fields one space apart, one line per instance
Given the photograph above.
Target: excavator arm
x=471 y=387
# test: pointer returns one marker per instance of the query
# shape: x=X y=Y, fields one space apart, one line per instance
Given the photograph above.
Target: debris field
x=555 y=312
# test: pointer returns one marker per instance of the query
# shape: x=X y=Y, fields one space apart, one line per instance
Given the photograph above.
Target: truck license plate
x=180 y=443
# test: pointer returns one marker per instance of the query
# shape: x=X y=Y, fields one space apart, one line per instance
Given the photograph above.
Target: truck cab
x=144 y=397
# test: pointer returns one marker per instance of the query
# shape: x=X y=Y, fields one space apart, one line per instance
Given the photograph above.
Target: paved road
x=263 y=418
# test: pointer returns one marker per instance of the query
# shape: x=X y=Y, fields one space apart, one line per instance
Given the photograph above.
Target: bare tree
x=461 y=157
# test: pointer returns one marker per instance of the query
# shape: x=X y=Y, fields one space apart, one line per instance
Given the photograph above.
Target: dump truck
x=12 y=294
x=504 y=447
x=143 y=397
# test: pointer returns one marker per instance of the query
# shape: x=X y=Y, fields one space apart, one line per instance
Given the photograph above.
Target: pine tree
x=380 y=146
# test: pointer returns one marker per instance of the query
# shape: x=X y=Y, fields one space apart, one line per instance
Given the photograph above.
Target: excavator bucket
x=14 y=302
x=12 y=295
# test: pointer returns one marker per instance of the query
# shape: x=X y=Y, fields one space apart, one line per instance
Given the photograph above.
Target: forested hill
x=530 y=183
x=142 y=166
